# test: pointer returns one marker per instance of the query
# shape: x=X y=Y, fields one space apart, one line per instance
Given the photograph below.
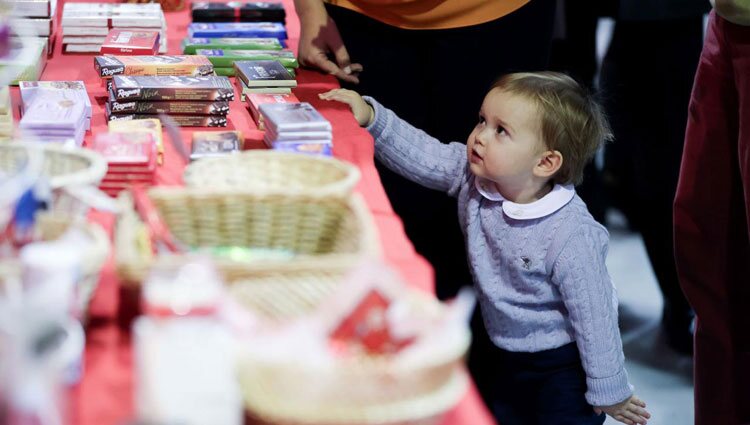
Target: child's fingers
x=638 y=401
x=639 y=411
x=636 y=419
x=623 y=419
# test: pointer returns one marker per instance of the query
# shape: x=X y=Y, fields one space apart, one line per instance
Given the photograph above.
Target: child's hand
x=362 y=110
x=631 y=411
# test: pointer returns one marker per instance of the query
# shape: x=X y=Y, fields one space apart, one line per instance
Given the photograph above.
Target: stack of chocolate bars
x=296 y=127
x=34 y=18
x=55 y=115
x=187 y=65
x=150 y=125
x=264 y=76
x=224 y=59
x=76 y=89
x=131 y=159
x=249 y=11
x=85 y=26
x=254 y=100
x=188 y=101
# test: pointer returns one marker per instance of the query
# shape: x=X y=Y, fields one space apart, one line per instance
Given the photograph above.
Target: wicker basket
x=359 y=390
x=274 y=172
x=64 y=165
x=323 y=232
x=51 y=227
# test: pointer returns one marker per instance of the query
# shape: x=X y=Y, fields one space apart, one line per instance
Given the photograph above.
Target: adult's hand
x=319 y=37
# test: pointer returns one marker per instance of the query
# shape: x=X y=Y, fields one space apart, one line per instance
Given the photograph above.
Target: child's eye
x=501 y=130
x=481 y=120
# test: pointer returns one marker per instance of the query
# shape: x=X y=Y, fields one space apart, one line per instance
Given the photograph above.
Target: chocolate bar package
x=127 y=88
x=108 y=66
x=262 y=12
x=136 y=149
x=190 y=45
x=264 y=73
x=238 y=30
x=226 y=58
x=169 y=108
x=238 y=11
x=283 y=117
x=180 y=120
x=112 y=15
x=29 y=90
x=215 y=143
x=129 y=42
x=32 y=8
x=32 y=27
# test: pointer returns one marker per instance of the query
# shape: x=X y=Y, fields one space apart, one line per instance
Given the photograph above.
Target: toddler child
x=536 y=254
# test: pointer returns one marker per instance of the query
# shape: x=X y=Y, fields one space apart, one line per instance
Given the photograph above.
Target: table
x=105 y=394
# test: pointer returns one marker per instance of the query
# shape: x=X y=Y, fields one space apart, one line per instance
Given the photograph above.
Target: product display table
x=105 y=394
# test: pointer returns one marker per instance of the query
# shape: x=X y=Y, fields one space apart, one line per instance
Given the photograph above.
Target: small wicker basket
x=359 y=390
x=51 y=227
x=266 y=171
x=64 y=165
x=323 y=232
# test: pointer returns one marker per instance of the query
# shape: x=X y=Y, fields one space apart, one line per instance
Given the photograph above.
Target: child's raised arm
x=405 y=149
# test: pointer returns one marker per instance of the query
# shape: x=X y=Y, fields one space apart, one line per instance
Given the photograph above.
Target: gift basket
x=96 y=249
x=246 y=233
x=267 y=170
x=364 y=356
x=63 y=165
x=35 y=207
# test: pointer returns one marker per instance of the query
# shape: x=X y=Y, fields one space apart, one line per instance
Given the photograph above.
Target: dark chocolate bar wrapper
x=169 y=108
x=127 y=88
x=180 y=120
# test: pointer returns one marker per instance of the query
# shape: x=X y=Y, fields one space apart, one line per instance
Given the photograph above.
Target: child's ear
x=549 y=163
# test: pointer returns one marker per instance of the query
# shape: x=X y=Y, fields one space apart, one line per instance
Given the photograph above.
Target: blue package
x=238 y=30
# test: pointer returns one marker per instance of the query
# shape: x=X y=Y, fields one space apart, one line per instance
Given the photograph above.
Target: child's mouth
x=475 y=158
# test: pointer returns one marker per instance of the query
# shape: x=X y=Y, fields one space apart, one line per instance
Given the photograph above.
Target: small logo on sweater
x=526 y=263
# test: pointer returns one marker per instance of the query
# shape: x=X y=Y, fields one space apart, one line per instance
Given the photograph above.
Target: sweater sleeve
x=414 y=154
x=581 y=275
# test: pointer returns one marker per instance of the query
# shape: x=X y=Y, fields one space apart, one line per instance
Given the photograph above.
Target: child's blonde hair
x=571 y=121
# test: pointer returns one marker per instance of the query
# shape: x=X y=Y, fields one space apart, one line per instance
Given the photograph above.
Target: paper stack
x=85 y=25
x=296 y=127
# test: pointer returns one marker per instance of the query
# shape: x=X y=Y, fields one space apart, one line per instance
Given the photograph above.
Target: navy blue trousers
x=543 y=388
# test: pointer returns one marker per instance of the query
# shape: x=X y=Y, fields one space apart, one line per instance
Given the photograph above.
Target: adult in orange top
x=431 y=61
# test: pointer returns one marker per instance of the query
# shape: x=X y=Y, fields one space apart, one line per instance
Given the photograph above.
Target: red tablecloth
x=105 y=395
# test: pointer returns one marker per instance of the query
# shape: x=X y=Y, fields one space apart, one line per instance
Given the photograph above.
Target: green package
x=225 y=58
x=190 y=45
x=229 y=72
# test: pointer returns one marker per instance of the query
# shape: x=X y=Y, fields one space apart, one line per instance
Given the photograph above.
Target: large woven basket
x=63 y=165
x=278 y=172
x=323 y=232
x=363 y=390
x=51 y=227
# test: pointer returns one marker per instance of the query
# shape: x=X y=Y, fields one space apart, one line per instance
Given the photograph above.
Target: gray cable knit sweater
x=542 y=282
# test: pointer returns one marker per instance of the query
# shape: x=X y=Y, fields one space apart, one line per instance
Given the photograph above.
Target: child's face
x=506 y=144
